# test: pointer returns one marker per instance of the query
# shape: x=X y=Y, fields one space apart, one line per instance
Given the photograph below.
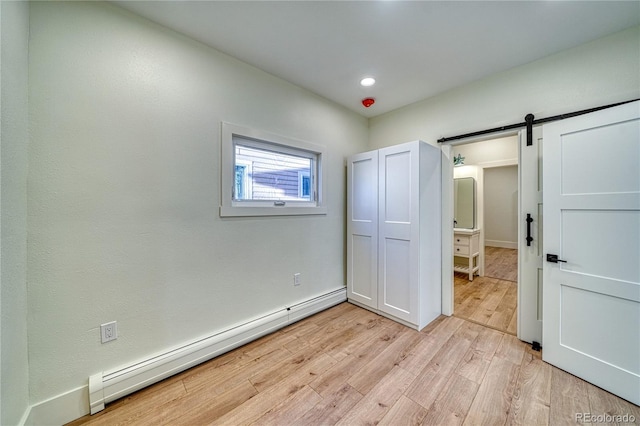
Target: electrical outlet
x=296 y=279
x=109 y=331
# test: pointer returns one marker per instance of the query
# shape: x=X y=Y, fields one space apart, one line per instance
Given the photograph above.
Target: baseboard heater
x=108 y=386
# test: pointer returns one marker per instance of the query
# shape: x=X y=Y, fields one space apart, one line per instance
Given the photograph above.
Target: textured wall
x=124 y=190
x=14 y=380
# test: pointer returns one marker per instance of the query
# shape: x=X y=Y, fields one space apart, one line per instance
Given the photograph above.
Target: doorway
x=490 y=296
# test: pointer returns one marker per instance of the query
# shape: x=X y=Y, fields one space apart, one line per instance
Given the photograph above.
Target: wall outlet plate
x=296 y=279
x=109 y=331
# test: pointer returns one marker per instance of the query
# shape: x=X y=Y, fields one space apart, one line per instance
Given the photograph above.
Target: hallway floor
x=490 y=300
x=501 y=263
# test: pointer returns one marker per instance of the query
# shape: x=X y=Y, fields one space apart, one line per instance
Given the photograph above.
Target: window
x=265 y=174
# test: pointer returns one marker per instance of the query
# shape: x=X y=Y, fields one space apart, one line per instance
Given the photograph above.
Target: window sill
x=226 y=211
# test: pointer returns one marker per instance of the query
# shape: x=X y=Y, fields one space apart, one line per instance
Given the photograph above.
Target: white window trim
x=231 y=208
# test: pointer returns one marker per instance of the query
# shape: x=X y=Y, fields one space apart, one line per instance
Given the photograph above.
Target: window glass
x=265 y=174
x=274 y=175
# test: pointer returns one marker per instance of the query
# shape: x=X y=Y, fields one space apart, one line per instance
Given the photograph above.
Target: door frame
x=447 y=214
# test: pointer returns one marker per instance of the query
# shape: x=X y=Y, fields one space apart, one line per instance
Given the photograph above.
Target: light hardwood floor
x=501 y=263
x=490 y=300
x=349 y=366
x=486 y=301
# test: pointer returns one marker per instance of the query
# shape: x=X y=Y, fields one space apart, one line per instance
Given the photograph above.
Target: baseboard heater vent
x=108 y=386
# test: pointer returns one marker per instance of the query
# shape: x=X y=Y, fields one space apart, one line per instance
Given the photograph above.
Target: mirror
x=464 y=202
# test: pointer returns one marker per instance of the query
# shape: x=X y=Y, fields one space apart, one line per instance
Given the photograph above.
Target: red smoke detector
x=367 y=102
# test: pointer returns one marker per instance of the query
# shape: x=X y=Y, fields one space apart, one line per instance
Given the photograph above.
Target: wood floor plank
x=370 y=374
x=503 y=312
x=476 y=361
x=227 y=369
x=322 y=317
x=335 y=377
x=336 y=328
x=202 y=408
x=453 y=403
x=404 y=412
x=604 y=403
x=493 y=399
x=512 y=328
x=490 y=302
x=222 y=378
x=333 y=407
x=480 y=301
x=433 y=378
x=569 y=395
x=375 y=405
x=356 y=336
x=379 y=327
x=426 y=349
x=462 y=285
x=264 y=401
x=277 y=372
x=511 y=349
x=532 y=396
x=289 y=411
x=501 y=263
x=481 y=287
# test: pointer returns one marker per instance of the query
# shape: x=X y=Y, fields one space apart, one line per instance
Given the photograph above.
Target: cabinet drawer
x=461 y=240
x=460 y=250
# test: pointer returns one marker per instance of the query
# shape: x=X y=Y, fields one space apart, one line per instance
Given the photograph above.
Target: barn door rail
x=529 y=122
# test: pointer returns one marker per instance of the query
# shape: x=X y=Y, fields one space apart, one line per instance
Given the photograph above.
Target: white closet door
x=362 y=228
x=398 y=243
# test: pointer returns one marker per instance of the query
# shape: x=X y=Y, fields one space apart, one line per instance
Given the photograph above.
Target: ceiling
x=414 y=49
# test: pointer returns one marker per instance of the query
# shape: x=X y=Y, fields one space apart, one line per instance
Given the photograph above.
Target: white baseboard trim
x=501 y=244
x=60 y=409
x=105 y=387
x=108 y=386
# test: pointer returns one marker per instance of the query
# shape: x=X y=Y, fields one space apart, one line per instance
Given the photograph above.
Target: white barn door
x=591 y=205
x=530 y=238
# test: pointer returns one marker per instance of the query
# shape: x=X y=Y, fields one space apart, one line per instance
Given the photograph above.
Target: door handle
x=529 y=219
x=553 y=258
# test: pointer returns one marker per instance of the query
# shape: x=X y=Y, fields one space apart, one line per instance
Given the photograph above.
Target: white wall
x=501 y=206
x=124 y=189
x=14 y=371
x=598 y=73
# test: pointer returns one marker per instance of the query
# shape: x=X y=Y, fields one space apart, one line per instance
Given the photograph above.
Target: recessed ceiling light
x=368 y=81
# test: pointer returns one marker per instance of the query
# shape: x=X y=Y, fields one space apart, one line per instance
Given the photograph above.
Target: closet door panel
x=363 y=268
x=362 y=228
x=396 y=291
x=397 y=187
x=397 y=286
